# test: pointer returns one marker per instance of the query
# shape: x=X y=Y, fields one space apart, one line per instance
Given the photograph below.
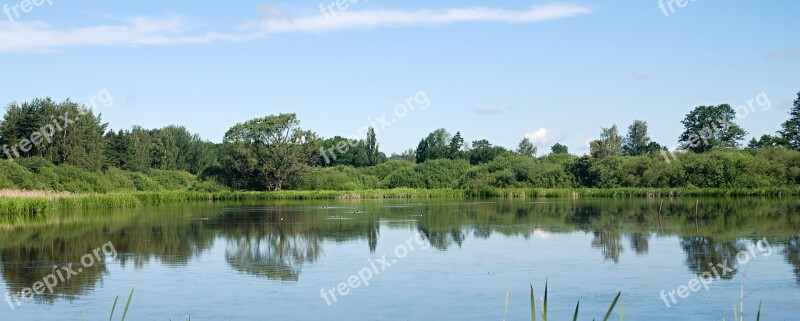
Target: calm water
x=444 y=260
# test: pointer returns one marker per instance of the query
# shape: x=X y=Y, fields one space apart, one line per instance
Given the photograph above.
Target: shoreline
x=34 y=203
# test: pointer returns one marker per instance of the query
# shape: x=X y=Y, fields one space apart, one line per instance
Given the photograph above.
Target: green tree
x=409 y=155
x=526 y=148
x=559 y=149
x=637 y=141
x=339 y=151
x=708 y=127
x=790 y=130
x=139 y=150
x=265 y=152
x=373 y=156
x=62 y=133
x=483 y=152
x=766 y=141
x=455 y=149
x=435 y=146
x=609 y=144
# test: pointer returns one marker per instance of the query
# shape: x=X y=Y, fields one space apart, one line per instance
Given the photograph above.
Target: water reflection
x=276 y=242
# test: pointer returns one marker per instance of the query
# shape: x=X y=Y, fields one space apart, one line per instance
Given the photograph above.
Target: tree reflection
x=610 y=243
x=792 y=253
x=640 y=243
x=704 y=255
x=276 y=242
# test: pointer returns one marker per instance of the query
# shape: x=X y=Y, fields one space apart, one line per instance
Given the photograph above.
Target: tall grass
x=544 y=313
x=38 y=203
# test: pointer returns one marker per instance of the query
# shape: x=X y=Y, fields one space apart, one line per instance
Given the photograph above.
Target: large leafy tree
x=526 y=148
x=708 y=127
x=790 y=130
x=265 y=152
x=435 y=146
x=609 y=144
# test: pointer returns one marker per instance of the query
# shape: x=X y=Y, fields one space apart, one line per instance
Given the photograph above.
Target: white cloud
x=22 y=36
x=369 y=19
x=544 y=137
x=34 y=36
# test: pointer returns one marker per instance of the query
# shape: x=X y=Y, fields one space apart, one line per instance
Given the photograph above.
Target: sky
x=552 y=71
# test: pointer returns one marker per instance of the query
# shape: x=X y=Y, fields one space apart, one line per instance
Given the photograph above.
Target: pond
x=676 y=259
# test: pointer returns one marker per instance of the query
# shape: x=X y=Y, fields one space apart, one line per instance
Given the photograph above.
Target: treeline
x=274 y=153
x=68 y=133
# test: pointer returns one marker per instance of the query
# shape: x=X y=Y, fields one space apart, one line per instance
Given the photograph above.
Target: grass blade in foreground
x=575 y=318
x=544 y=303
x=113 y=308
x=613 y=305
x=533 y=305
x=128 y=305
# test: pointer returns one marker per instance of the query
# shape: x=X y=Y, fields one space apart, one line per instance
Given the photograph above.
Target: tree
x=62 y=133
x=373 y=157
x=456 y=146
x=609 y=144
x=559 y=149
x=409 y=155
x=265 y=152
x=483 y=152
x=338 y=151
x=790 y=130
x=435 y=146
x=139 y=150
x=766 y=141
x=708 y=127
x=526 y=148
x=637 y=141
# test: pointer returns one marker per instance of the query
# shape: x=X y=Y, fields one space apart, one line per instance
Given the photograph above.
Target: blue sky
x=499 y=70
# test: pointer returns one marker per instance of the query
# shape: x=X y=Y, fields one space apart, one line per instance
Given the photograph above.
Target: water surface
x=429 y=260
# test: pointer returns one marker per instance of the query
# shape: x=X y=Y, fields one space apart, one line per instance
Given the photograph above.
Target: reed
x=544 y=313
x=33 y=203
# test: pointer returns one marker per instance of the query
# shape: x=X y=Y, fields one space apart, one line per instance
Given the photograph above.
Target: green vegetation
x=577 y=308
x=274 y=153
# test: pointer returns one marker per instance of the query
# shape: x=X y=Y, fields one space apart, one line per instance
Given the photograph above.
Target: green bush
x=514 y=170
x=20 y=176
x=171 y=179
x=339 y=178
x=120 y=180
x=406 y=177
x=383 y=170
x=143 y=182
x=442 y=173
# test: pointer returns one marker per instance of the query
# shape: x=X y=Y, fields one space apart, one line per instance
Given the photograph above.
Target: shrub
x=383 y=170
x=339 y=178
x=171 y=179
x=20 y=176
x=406 y=177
